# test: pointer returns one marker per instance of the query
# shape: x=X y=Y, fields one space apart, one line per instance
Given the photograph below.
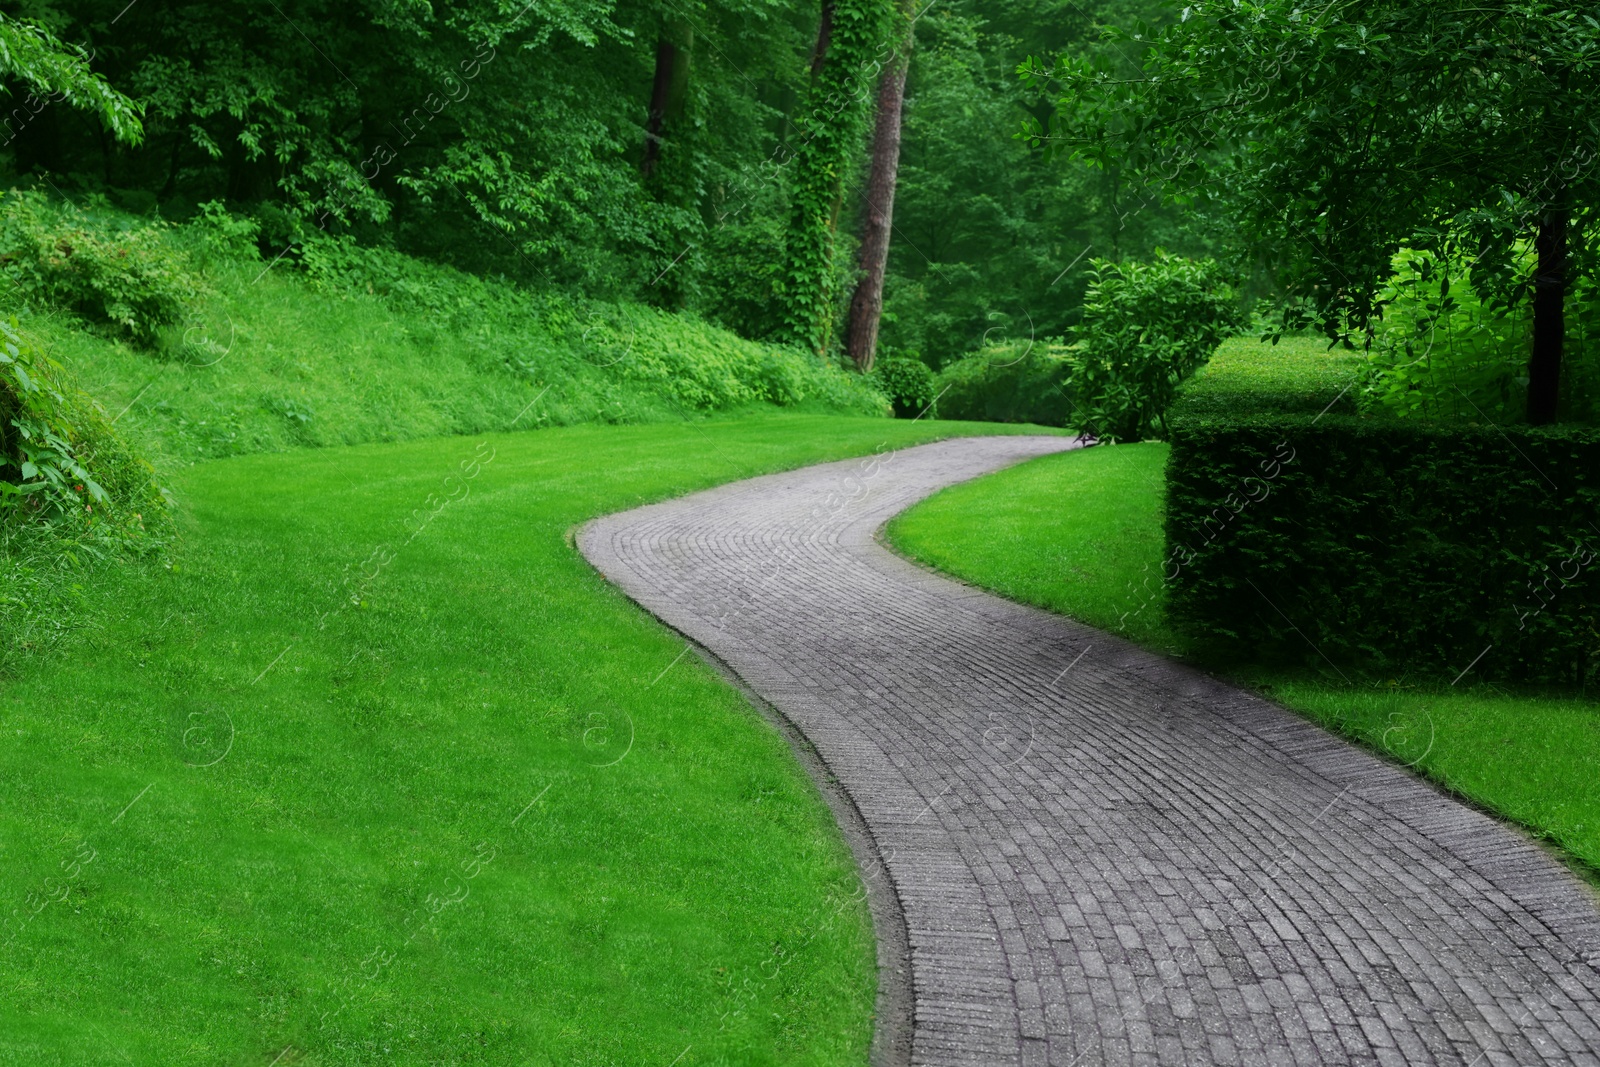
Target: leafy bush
x=1441 y=352
x=908 y=383
x=217 y=235
x=1021 y=383
x=108 y=267
x=1387 y=545
x=1146 y=327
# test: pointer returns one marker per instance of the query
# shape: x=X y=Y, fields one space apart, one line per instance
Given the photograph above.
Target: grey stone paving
x=1102 y=857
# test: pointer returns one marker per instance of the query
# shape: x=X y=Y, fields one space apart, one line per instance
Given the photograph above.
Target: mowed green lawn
x=1079 y=533
x=380 y=771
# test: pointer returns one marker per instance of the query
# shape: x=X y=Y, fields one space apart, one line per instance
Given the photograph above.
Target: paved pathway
x=1102 y=857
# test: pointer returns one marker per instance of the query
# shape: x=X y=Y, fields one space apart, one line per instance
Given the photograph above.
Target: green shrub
x=1146 y=327
x=1387 y=545
x=908 y=383
x=1020 y=383
x=217 y=236
x=110 y=268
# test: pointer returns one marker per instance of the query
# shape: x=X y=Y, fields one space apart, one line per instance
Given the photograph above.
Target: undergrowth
x=73 y=496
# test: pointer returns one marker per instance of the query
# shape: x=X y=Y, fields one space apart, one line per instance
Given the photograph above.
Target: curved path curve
x=1100 y=856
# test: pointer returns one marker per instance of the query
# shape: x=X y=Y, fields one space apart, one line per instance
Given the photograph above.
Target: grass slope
x=380 y=771
x=351 y=345
x=270 y=362
x=1079 y=533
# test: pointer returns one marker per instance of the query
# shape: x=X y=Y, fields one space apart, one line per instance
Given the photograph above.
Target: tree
x=877 y=209
x=1335 y=134
x=852 y=48
x=667 y=90
x=992 y=239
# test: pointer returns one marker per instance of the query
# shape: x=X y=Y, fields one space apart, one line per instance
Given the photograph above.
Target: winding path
x=1100 y=856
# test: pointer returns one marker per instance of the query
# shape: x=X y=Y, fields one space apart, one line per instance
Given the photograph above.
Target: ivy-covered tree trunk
x=877 y=216
x=851 y=51
x=1549 y=316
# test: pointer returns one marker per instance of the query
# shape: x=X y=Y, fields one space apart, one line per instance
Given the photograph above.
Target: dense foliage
x=696 y=156
x=1333 y=134
x=1444 y=352
x=502 y=137
x=993 y=238
x=117 y=271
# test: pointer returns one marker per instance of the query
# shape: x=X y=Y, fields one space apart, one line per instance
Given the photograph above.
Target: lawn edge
x=893 y=1000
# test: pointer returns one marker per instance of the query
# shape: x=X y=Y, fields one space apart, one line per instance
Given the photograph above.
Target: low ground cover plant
x=338 y=343
x=73 y=497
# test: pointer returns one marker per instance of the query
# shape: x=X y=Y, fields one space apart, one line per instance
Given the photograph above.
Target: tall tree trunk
x=849 y=54
x=1549 y=317
x=819 y=54
x=667 y=91
x=877 y=218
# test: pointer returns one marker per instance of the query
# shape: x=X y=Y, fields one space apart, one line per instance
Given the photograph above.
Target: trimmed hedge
x=1022 y=383
x=1299 y=375
x=1386 y=545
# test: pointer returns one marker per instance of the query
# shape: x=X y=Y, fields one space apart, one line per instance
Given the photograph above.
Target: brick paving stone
x=1101 y=856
